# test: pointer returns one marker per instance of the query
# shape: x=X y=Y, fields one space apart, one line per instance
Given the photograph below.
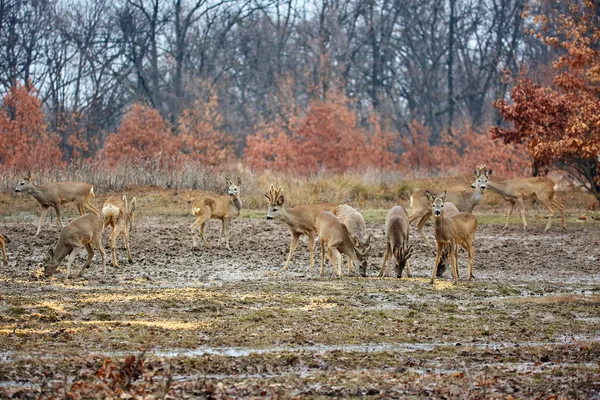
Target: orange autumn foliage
x=25 y=142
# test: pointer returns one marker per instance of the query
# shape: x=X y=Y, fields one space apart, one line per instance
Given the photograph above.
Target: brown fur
x=396 y=233
x=119 y=214
x=333 y=233
x=4 y=238
x=357 y=227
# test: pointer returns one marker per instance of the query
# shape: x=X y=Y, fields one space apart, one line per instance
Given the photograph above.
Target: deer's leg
x=4 y=260
x=385 y=260
x=80 y=209
x=98 y=245
x=408 y=269
x=471 y=253
x=193 y=227
x=72 y=255
x=420 y=226
x=440 y=247
x=311 y=250
x=295 y=237
x=522 y=207
x=203 y=235
x=338 y=261
x=227 y=227
x=222 y=233
x=454 y=263
x=126 y=239
x=113 y=247
x=348 y=265
x=89 y=207
x=88 y=262
x=322 y=242
x=42 y=219
x=58 y=210
x=511 y=206
x=561 y=208
x=549 y=207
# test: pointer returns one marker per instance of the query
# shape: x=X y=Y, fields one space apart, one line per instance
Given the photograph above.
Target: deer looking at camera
x=515 y=190
x=4 y=238
x=119 y=214
x=213 y=206
x=357 y=227
x=56 y=194
x=333 y=233
x=452 y=231
x=464 y=200
x=84 y=231
x=301 y=220
x=396 y=233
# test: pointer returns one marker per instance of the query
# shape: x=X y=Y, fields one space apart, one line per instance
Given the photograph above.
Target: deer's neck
x=498 y=187
x=475 y=198
x=291 y=218
x=36 y=193
x=441 y=228
x=236 y=202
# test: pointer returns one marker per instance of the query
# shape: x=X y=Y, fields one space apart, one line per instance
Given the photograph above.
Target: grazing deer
x=396 y=233
x=515 y=190
x=452 y=231
x=56 y=194
x=464 y=200
x=333 y=233
x=213 y=206
x=4 y=238
x=355 y=223
x=119 y=214
x=84 y=231
x=301 y=220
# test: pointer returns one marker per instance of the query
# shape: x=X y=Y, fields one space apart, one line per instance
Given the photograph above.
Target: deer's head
x=234 y=188
x=363 y=251
x=50 y=263
x=24 y=183
x=437 y=202
x=481 y=178
x=401 y=256
x=275 y=201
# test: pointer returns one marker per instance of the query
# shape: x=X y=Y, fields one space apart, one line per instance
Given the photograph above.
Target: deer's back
x=68 y=191
x=396 y=225
x=82 y=229
x=352 y=219
x=331 y=229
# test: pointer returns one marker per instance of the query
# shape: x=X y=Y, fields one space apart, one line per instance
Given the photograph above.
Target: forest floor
x=214 y=323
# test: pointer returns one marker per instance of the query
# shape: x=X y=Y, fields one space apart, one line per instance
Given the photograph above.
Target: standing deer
x=333 y=233
x=396 y=233
x=213 y=206
x=464 y=200
x=515 y=190
x=452 y=231
x=355 y=223
x=4 y=238
x=84 y=231
x=56 y=194
x=119 y=214
x=301 y=220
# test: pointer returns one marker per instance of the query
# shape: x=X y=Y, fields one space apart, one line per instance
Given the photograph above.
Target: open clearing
x=217 y=324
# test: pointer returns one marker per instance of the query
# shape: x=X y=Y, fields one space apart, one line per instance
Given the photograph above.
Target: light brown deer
x=301 y=220
x=4 y=238
x=396 y=233
x=213 y=206
x=357 y=227
x=119 y=214
x=336 y=236
x=56 y=194
x=84 y=231
x=464 y=200
x=453 y=231
x=516 y=190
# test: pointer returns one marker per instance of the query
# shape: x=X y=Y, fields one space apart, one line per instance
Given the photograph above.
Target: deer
x=119 y=214
x=84 y=231
x=301 y=220
x=56 y=194
x=464 y=200
x=336 y=236
x=452 y=231
x=355 y=223
x=396 y=233
x=516 y=190
x=4 y=238
x=212 y=206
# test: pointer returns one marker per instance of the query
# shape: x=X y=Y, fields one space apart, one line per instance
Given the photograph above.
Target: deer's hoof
x=130 y=261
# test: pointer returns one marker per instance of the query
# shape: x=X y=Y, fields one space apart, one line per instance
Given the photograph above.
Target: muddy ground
x=211 y=323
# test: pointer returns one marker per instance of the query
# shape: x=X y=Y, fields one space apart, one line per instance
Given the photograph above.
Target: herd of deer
x=341 y=229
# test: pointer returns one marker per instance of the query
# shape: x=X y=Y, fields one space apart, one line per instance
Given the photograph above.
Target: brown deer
x=84 y=231
x=452 y=231
x=464 y=200
x=301 y=220
x=396 y=233
x=4 y=238
x=56 y=194
x=355 y=223
x=119 y=214
x=516 y=190
x=213 y=206
x=333 y=233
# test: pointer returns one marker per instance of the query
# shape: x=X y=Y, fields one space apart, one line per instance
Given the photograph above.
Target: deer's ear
x=488 y=172
x=51 y=252
x=476 y=172
x=268 y=198
x=430 y=196
x=28 y=175
x=229 y=181
x=395 y=251
x=443 y=196
x=368 y=242
x=280 y=200
x=239 y=182
x=133 y=202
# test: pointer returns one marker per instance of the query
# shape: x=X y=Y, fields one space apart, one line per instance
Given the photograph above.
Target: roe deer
x=515 y=190
x=396 y=233
x=213 y=206
x=301 y=220
x=452 y=231
x=464 y=200
x=84 y=231
x=355 y=223
x=56 y=194
x=4 y=238
x=449 y=209
x=337 y=237
x=119 y=214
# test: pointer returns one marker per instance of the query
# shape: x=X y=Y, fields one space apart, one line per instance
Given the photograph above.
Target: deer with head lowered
x=336 y=236
x=515 y=190
x=396 y=233
x=82 y=232
x=301 y=220
x=355 y=223
x=452 y=231
x=464 y=200
x=119 y=214
x=213 y=206
x=56 y=194
x=4 y=238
